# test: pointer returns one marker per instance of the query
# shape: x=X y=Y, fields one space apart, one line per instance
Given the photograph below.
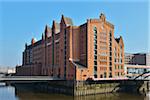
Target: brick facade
x=75 y=52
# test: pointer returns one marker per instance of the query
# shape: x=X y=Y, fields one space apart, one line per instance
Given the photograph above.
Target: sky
x=22 y=20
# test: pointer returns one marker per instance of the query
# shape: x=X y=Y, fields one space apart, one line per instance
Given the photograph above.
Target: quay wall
x=79 y=88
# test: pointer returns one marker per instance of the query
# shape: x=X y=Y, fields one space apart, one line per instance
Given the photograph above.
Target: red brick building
x=75 y=52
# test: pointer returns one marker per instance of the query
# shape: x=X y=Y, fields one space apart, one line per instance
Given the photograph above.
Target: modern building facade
x=136 y=64
x=75 y=52
x=133 y=71
x=128 y=58
x=137 y=59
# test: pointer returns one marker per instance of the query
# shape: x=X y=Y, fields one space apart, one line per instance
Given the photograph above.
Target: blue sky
x=20 y=21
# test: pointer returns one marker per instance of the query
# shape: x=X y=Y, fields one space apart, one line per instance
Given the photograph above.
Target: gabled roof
x=119 y=40
x=48 y=31
x=68 y=21
x=56 y=26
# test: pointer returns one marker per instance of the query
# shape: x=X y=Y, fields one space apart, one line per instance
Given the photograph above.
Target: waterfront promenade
x=28 y=78
x=49 y=78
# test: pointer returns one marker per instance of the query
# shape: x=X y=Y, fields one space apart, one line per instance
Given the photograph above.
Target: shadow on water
x=27 y=92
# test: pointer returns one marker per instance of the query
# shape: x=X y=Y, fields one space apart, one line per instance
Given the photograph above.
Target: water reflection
x=7 y=93
x=23 y=93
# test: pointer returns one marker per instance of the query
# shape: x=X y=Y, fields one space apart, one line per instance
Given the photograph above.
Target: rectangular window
x=110 y=48
x=95 y=46
x=110 y=68
x=95 y=36
x=110 y=63
x=101 y=76
x=95 y=62
x=110 y=58
x=95 y=42
x=110 y=53
x=95 y=68
x=110 y=75
x=110 y=44
x=104 y=74
x=95 y=76
x=110 y=39
x=95 y=57
x=95 y=51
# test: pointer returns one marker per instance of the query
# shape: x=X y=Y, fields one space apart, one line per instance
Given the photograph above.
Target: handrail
x=141 y=75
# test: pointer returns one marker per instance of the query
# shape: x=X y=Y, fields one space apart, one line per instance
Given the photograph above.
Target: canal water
x=11 y=93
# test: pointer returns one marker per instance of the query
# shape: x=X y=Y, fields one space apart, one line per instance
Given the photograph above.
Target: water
x=12 y=93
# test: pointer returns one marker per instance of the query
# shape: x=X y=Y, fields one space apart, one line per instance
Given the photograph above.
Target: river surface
x=11 y=93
